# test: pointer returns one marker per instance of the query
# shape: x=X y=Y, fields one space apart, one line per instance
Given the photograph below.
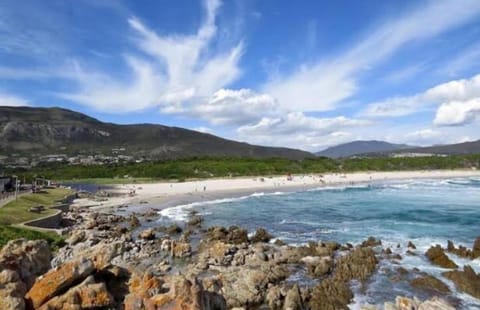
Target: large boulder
x=12 y=290
x=233 y=234
x=86 y=295
x=331 y=294
x=28 y=258
x=437 y=256
x=58 y=280
x=467 y=280
x=430 y=283
x=293 y=299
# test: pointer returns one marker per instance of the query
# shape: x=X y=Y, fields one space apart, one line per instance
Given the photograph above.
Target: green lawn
x=10 y=233
x=107 y=181
x=16 y=211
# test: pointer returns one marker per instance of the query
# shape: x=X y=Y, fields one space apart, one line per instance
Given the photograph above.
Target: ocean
x=426 y=212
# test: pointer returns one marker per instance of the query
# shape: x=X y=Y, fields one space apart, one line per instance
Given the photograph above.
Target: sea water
x=426 y=212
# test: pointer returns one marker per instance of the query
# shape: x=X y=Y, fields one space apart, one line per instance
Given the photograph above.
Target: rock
x=148 y=234
x=293 y=299
x=28 y=258
x=274 y=298
x=76 y=237
x=195 y=221
x=12 y=290
x=261 y=235
x=331 y=294
x=335 y=293
x=176 y=293
x=411 y=245
x=476 y=248
x=318 y=266
x=429 y=282
x=173 y=229
x=371 y=242
x=437 y=256
x=467 y=280
x=279 y=242
x=58 y=280
x=404 y=303
x=251 y=287
x=359 y=264
x=180 y=249
x=87 y=295
x=134 y=221
x=233 y=234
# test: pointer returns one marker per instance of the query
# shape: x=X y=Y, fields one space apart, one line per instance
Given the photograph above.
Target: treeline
x=225 y=167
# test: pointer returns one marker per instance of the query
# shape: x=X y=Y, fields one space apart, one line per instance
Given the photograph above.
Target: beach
x=169 y=194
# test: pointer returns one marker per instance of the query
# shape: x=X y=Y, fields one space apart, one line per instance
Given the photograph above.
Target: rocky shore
x=112 y=262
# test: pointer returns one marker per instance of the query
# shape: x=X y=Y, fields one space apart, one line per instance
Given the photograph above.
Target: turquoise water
x=423 y=211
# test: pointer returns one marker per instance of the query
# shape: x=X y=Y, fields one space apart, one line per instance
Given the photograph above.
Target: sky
x=300 y=74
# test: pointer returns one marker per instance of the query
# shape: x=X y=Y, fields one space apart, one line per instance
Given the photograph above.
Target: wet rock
x=430 y=283
x=359 y=264
x=437 y=256
x=371 y=242
x=411 y=245
x=279 y=242
x=28 y=258
x=467 y=280
x=148 y=234
x=476 y=248
x=261 y=235
x=331 y=294
x=173 y=229
x=58 y=280
x=195 y=221
x=233 y=234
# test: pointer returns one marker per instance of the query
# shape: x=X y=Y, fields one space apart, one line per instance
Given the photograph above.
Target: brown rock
x=476 y=248
x=318 y=266
x=467 y=280
x=293 y=299
x=331 y=294
x=430 y=283
x=261 y=235
x=148 y=234
x=87 y=295
x=437 y=256
x=371 y=242
x=411 y=245
x=141 y=288
x=58 y=280
x=359 y=264
x=181 y=249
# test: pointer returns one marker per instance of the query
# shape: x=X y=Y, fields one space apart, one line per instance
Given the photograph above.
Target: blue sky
x=302 y=74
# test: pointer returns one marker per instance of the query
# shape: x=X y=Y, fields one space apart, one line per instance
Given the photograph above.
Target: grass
x=10 y=233
x=108 y=181
x=17 y=211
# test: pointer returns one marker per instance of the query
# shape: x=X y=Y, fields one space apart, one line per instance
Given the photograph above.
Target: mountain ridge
x=57 y=130
x=360 y=147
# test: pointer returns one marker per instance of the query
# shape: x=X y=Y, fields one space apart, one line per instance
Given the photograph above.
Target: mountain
x=37 y=131
x=360 y=147
x=472 y=147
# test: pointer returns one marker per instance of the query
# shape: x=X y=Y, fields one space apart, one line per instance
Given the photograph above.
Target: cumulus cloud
x=422 y=136
x=12 y=101
x=232 y=107
x=318 y=86
x=457 y=113
x=179 y=68
x=453 y=96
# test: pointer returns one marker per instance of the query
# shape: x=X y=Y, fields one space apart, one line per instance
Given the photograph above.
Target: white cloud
x=12 y=101
x=458 y=90
x=232 y=107
x=179 y=69
x=320 y=85
x=422 y=136
x=457 y=113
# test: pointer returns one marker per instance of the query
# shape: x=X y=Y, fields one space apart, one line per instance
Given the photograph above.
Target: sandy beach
x=169 y=194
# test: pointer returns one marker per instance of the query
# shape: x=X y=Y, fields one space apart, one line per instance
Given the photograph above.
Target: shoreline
x=162 y=195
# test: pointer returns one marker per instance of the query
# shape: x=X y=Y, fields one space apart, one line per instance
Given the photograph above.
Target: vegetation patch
x=8 y=233
x=20 y=210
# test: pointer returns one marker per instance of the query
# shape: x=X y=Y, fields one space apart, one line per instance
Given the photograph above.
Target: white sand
x=166 y=194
